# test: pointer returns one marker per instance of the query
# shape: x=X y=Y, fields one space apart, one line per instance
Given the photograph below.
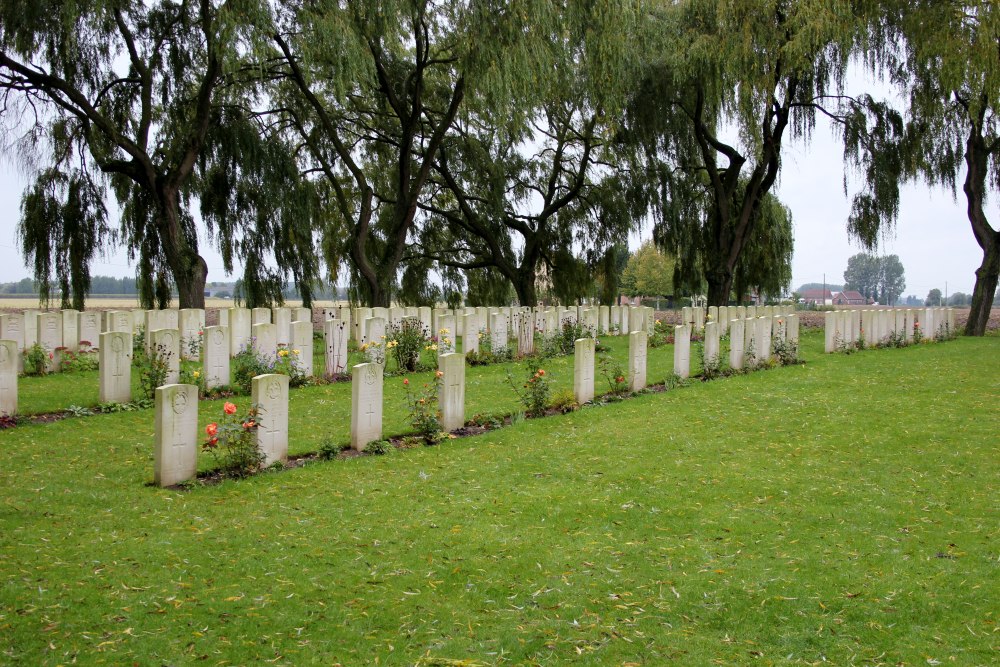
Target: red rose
x=229 y=409
x=212 y=429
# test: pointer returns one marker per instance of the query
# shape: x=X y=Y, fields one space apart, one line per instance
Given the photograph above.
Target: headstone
x=264 y=339
x=374 y=330
x=615 y=320
x=215 y=356
x=831 y=334
x=603 y=320
x=712 y=343
x=855 y=329
x=900 y=324
x=650 y=321
x=192 y=324
x=8 y=377
x=583 y=370
x=70 y=332
x=223 y=317
x=366 y=405
x=736 y=344
x=424 y=313
x=950 y=319
x=470 y=337
x=358 y=317
x=778 y=327
x=498 y=332
x=260 y=316
x=699 y=318
x=751 y=312
x=114 y=359
x=88 y=328
x=452 y=395
x=446 y=334
x=792 y=329
x=763 y=339
x=302 y=314
x=335 y=336
x=239 y=330
x=302 y=346
x=167 y=344
x=723 y=320
x=687 y=316
x=138 y=320
x=119 y=320
x=682 y=351
x=282 y=320
x=270 y=395
x=525 y=333
x=908 y=324
x=637 y=341
x=30 y=327
x=12 y=328
x=175 y=428
x=49 y=335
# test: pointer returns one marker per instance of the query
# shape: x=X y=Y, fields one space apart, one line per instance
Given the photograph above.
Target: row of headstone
x=696 y=317
x=750 y=341
x=870 y=327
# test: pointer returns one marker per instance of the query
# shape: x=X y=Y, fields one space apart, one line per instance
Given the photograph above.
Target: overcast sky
x=933 y=238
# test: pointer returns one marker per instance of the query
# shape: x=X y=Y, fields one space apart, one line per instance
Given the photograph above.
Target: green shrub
x=233 y=442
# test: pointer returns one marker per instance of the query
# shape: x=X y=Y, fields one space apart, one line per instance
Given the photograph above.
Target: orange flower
x=406 y=382
x=212 y=443
x=229 y=409
x=250 y=424
x=438 y=374
x=212 y=429
x=541 y=371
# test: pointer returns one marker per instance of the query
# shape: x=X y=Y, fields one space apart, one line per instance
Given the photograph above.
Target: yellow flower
x=295 y=351
x=196 y=374
x=434 y=347
x=443 y=331
x=282 y=353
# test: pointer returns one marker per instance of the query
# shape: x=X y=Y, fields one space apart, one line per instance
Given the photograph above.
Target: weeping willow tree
x=371 y=90
x=943 y=59
x=139 y=93
x=63 y=226
x=726 y=83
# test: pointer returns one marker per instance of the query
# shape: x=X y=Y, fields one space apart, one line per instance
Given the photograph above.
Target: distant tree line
x=469 y=150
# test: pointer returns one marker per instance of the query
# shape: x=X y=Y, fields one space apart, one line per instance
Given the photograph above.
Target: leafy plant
x=289 y=362
x=248 y=364
x=486 y=354
x=36 y=360
x=615 y=375
x=330 y=448
x=79 y=411
x=378 y=447
x=194 y=344
x=535 y=394
x=233 y=442
x=153 y=369
x=406 y=341
x=78 y=362
x=374 y=352
x=564 y=401
x=423 y=406
x=786 y=352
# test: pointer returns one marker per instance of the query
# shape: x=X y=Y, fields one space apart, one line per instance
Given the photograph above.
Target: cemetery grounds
x=841 y=511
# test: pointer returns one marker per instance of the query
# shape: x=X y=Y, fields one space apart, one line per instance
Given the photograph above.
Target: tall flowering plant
x=232 y=442
x=425 y=416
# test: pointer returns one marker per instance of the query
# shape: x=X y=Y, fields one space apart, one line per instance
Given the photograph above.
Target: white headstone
x=762 y=351
x=12 y=328
x=637 y=341
x=8 y=377
x=239 y=330
x=264 y=339
x=446 y=334
x=712 y=343
x=792 y=329
x=358 y=317
x=119 y=320
x=525 y=333
x=175 y=448
x=604 y=319
x=70 y=333
x=682 y=351
x=191 y=325
x=302 y=346
x=215 y=356
x=498 y=332
x=167 y=344
x=374 y=330
x=114 y=359
x=282 y=320
x=88 y=327
x=831 y=334
x=270 y=395
x=470 y=337
x=49 y=335
x=335 y=336
x=736 y=334
x=302 y=314
x=260 y=316
x=366 y=405
x=583 y=370
x=908 y=325
x=223 y=317
x=452 y=394
x=30 y=327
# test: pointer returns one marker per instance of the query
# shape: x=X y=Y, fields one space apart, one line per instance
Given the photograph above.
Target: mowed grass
x=844 y=511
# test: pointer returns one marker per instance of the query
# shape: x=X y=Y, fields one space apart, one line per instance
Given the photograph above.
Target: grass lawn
x=844 y=510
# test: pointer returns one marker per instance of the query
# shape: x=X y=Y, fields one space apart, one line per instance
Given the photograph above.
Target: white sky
x=933 y=237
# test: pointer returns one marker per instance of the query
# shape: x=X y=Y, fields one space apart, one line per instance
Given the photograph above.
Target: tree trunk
x=985 y=290
x=188 y=269
x=524 y=285
x=720 y=286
